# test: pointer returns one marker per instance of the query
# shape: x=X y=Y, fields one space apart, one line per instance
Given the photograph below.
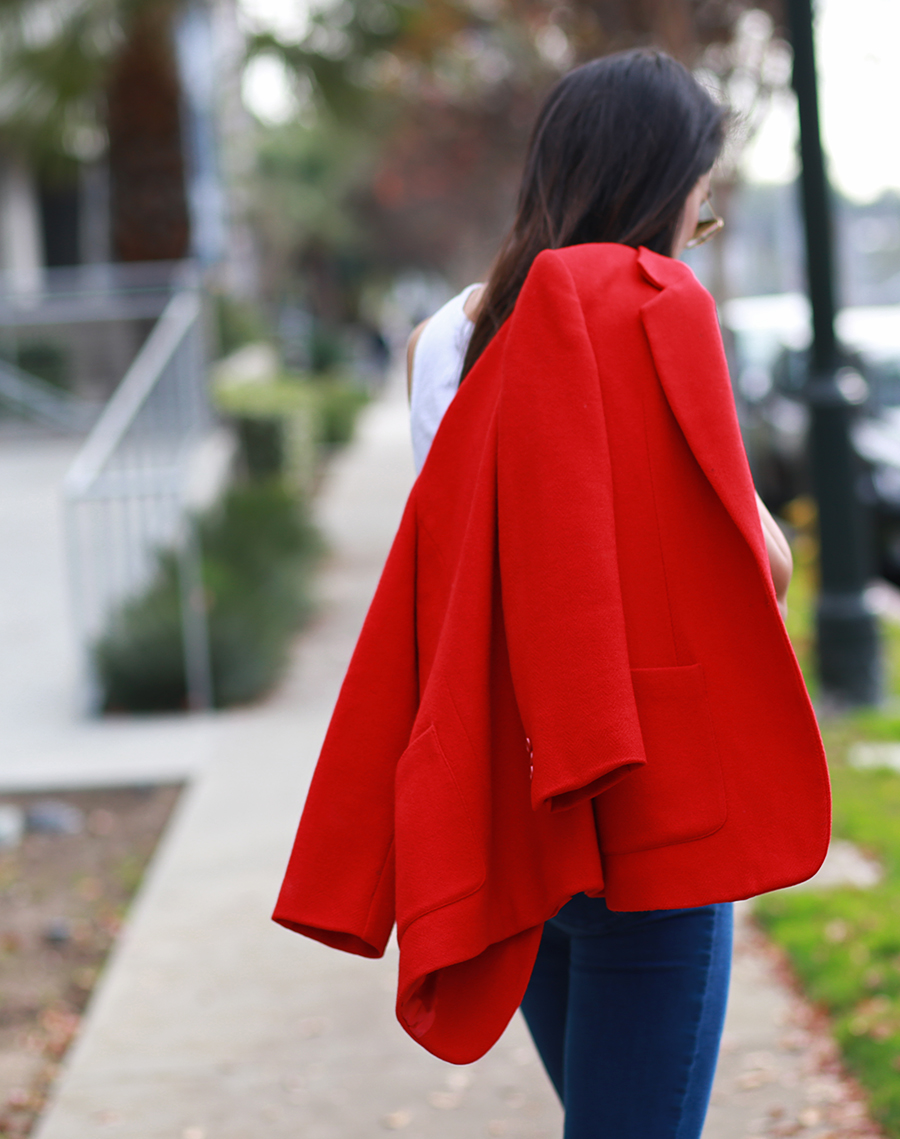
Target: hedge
x=258 y=551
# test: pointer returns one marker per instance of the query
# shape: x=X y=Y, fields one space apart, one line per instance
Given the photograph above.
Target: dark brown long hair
x=616 y=149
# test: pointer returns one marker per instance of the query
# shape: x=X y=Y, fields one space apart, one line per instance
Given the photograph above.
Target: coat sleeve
x=562 y=604
x=339 y=885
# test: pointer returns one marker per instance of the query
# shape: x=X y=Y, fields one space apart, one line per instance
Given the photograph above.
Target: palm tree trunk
x=148 y=199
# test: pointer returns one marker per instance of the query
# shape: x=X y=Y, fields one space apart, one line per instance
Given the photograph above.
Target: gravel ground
x=62 y=901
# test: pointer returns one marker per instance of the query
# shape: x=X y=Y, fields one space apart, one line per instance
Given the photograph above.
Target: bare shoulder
x=473 y=302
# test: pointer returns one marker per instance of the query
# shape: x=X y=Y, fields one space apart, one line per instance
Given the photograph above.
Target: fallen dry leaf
x=396 y=1120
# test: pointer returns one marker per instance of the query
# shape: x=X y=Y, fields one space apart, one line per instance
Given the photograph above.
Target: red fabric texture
x=573 y=675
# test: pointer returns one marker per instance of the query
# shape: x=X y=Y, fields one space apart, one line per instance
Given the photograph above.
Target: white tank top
x=436 y=370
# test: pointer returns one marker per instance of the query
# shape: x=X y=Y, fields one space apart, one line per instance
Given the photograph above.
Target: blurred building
x=762 y=247
x=91 y=250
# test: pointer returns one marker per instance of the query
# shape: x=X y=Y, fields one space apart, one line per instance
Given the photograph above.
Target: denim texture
x=626 y=1010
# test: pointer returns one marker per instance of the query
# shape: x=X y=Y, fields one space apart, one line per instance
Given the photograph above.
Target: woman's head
x=619 y=145
x=617 y=148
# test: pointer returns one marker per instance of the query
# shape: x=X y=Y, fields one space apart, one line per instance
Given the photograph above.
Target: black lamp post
x=847 y=635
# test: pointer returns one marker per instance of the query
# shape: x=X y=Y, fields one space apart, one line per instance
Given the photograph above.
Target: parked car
x=770 y=346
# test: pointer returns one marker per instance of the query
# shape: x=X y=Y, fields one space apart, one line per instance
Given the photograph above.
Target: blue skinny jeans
x=626 y=1010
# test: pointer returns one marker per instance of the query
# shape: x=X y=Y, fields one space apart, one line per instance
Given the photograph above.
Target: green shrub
x=257 y=553
x=325 y=348
x=338 y=402
x=285 y=423
x=277 y=426
x=237 y=323
x=46 y=360
x=262 y=445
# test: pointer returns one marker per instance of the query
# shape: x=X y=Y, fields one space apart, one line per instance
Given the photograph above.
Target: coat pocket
x=679 y=795
x=438 y=858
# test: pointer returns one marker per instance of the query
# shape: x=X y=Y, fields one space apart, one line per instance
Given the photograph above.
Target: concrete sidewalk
x=213 y=1023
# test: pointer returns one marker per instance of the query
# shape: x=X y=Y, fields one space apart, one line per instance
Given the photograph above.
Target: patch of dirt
x=62 y=901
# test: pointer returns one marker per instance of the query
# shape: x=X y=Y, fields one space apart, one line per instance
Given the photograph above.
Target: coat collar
x=683 y=331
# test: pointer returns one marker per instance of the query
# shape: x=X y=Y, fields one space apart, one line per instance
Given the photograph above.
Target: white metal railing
x=89 y=293
x=35 y=399
x=126 y=491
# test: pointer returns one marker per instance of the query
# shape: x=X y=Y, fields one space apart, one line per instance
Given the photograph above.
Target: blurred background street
x=219 y=221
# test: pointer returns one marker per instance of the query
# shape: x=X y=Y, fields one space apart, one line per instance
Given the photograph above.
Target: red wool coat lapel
x=683 y=329
x=573 y=676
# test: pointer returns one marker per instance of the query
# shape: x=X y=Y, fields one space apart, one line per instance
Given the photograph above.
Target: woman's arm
x=780 y=560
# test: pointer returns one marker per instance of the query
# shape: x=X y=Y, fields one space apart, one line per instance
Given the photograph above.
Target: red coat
x=573 y=675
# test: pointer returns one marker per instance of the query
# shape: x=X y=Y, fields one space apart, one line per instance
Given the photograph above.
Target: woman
x=626 y=1009
x=568 y=212
x=573 y=729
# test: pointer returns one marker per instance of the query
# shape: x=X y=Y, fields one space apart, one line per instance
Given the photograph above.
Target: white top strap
x=436 y=370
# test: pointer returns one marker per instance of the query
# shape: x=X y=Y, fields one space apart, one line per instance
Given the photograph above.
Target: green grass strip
x=844 y=943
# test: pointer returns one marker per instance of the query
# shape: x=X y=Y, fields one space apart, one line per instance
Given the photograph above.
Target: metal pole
x=89 y=693
x=847 y=635
x=194 y=623
x=191 y=363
